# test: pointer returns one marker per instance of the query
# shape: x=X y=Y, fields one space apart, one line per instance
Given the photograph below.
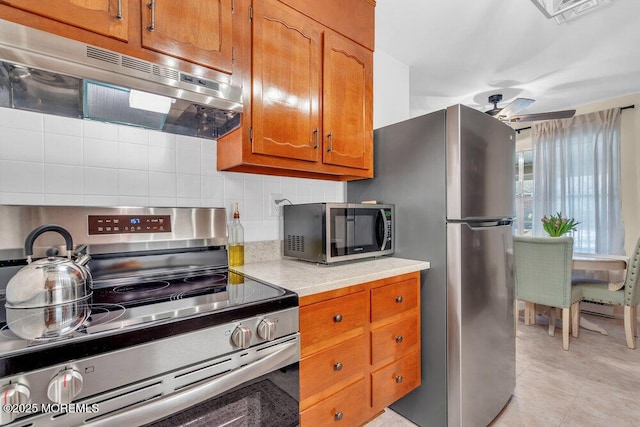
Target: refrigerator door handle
x=474 y=225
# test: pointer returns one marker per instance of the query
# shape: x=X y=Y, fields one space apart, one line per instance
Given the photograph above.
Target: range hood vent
x=46 y=73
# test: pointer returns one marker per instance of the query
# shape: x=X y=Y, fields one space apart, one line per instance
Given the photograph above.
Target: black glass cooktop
x=171 y=306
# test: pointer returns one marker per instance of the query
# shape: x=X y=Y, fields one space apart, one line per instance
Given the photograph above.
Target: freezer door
x=480 y=322
x=480 y=153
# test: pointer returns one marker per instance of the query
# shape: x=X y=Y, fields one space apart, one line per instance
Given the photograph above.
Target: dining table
x=600 y=262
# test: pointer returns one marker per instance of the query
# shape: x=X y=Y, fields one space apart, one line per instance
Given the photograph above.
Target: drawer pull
x=399 y=339
x=337 y=318
x=338 y=416
x=337 y=366
x=399 y=379
x=399 y=299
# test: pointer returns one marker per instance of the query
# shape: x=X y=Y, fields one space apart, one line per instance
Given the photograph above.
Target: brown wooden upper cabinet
x=106 y=17
x=310 y=112
x=195 y=31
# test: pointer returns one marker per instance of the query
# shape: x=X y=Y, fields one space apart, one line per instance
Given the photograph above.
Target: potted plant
x=557 y=225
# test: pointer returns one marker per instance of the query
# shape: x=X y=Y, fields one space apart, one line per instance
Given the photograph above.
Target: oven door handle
x=176 y=402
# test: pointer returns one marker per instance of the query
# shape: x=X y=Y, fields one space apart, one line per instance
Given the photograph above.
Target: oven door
x=264 y=391
x=358 y=231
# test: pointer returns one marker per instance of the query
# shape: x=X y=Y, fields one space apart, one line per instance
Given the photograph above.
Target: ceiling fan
x=509 y=113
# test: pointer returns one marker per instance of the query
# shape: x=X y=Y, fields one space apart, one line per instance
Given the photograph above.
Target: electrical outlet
x=274 y=209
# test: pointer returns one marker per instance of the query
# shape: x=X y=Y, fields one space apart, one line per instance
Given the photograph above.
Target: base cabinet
x=360 y=350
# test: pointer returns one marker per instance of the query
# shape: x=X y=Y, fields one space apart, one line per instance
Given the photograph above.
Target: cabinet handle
x=316 y=134
x=152 y=6
x=337 y=367
x=337 y=318
x=399 y=339
x=119 y=12
x=399 y=379
x=399 y=299
x=330 y=136
x=338 y=416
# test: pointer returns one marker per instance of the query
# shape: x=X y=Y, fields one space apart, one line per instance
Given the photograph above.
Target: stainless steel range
x=170 y=336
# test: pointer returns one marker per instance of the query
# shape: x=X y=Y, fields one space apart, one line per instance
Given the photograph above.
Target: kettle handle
x=31 y=238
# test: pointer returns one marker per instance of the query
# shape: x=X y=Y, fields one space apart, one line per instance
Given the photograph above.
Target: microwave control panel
x=129 y=224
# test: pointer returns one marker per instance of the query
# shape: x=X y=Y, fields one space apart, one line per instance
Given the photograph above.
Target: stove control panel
x=129 y=224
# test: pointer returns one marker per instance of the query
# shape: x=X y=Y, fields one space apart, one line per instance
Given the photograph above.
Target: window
x=524 y=193
x=576 y=166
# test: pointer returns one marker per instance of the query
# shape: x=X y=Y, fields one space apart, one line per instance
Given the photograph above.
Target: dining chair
x=594 y=290
x=543 y=276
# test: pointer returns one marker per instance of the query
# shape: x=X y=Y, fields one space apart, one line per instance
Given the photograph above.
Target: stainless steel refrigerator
x=450 y=175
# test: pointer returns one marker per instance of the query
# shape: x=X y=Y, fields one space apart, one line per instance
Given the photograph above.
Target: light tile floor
x=594 y=384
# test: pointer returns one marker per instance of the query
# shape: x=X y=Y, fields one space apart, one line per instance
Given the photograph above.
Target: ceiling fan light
x=564 y=10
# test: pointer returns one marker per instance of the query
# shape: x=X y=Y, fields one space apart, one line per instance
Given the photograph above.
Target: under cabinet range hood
x=50 y=74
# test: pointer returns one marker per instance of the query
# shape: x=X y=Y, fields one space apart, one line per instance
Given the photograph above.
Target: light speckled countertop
x=307 y=278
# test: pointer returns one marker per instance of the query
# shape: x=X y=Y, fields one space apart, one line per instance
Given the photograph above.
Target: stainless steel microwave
x=333 y=232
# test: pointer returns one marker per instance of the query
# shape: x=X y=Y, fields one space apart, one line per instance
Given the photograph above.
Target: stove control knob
x=241 y=336
x=12 y=396
x=267 y=329
x=65 y=386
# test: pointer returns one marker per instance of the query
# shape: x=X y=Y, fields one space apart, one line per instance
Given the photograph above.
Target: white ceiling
x=462 y=51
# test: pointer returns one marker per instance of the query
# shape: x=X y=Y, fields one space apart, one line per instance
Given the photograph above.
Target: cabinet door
x=348 y=101
x=286 y=82
x=106 y=17
x=197 y=31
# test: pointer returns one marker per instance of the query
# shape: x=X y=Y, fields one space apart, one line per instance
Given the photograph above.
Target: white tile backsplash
x=63 y=179
x=62 y=125
x=62 y=161
x=133 y=135
x=63 y=149
x=100 y=153
x=21 y=144
x=64 y=199
x=162 y=185
x=21 y=177
x=100 y=130
x=133 y=156
x=187 y=161
x=188 y=186
x=133 y=183
x=100 y=182
x=20 y=119
x=162 y=159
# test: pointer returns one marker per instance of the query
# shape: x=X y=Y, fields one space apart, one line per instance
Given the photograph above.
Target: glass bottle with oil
x=236 y=240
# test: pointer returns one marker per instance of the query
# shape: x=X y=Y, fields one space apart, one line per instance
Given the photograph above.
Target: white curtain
x=576 y=169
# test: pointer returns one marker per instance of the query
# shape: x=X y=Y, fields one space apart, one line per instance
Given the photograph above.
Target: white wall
x=50 y=160
x=390 y=90
x=630 y=154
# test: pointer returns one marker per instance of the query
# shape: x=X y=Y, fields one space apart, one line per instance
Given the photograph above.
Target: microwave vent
x=295 y=243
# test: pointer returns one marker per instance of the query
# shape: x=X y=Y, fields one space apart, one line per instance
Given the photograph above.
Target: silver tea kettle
x=49 y=297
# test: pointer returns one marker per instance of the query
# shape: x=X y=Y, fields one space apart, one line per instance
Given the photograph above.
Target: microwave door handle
x=385 y=225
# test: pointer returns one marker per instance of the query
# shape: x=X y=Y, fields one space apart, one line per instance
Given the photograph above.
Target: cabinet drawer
x=394 y=298
x=394 y=340
x=345 y=408
x=328 y=367
x=393 y=381
x=330 y=318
